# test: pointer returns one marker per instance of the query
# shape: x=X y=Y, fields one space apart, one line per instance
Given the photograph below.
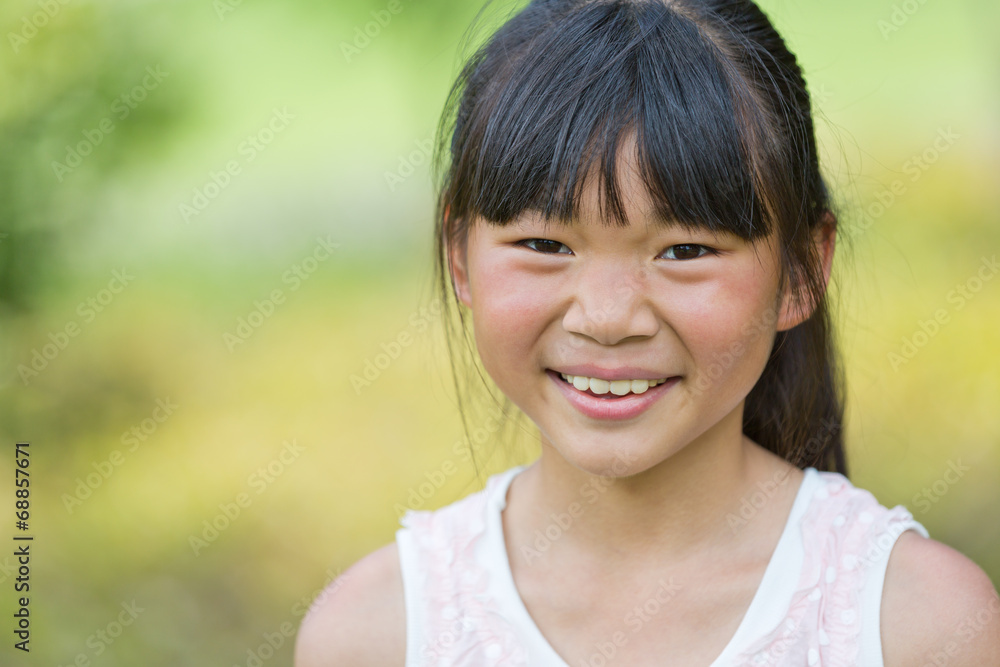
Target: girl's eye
x=687 y=251
x=681 y=251
x=543 y=243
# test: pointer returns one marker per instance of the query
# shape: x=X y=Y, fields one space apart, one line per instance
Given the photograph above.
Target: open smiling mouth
x=608 y=389
x=612 y=400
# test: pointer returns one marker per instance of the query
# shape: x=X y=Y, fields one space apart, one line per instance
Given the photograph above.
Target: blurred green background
x=207 y=149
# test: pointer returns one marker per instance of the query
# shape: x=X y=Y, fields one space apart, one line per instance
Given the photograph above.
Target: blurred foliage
x=74 y=110
x=881 y=100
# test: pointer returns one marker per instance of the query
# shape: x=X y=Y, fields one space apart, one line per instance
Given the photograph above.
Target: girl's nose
x=610 y=305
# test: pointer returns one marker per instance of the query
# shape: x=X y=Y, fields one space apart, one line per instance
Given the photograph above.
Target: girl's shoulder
x=938 y=607
x=359 y=619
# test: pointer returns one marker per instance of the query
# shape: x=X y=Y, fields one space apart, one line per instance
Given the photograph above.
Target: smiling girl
x=634 y=216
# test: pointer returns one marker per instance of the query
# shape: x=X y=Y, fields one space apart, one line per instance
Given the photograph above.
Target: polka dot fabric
x=845 y=532
x=454 y=620
x=462 y=625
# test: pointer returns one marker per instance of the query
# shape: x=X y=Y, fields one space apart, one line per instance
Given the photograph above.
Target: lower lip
x=620 y=407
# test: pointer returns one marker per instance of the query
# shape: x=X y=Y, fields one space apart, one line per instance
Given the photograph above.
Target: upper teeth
x=616 y=387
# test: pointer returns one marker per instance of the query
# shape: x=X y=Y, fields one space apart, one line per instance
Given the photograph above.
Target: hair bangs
x=569 y=99
x=562 y=104
x=694 y=151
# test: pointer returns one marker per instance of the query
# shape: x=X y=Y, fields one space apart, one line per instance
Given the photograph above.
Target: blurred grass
x=881 y=102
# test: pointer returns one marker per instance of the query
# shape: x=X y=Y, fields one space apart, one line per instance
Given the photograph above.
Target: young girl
x=634 y=216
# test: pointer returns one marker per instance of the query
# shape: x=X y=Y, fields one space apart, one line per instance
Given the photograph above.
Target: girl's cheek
x=509 y=311
x=713 y=321
x=511 y=298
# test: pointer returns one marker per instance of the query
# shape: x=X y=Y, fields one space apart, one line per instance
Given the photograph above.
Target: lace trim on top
x=844 y=530
x=463 y=625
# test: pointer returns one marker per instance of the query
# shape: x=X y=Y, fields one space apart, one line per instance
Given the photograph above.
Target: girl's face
x=642 y=302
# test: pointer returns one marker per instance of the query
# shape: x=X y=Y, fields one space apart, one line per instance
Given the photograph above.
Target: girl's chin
x=600 y=459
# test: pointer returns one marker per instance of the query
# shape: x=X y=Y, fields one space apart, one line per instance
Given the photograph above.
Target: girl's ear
x=458 y=260
x=796 y=304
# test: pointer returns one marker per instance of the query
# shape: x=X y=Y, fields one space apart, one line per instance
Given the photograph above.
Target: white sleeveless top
x=463 y=608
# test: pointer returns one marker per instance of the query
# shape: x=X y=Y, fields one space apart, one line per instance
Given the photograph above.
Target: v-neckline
x=772 y=595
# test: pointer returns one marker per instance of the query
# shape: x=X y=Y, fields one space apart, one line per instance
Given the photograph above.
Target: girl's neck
x=687 y=506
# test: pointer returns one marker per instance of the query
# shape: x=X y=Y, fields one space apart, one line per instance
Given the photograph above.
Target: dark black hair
x=724 y=133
